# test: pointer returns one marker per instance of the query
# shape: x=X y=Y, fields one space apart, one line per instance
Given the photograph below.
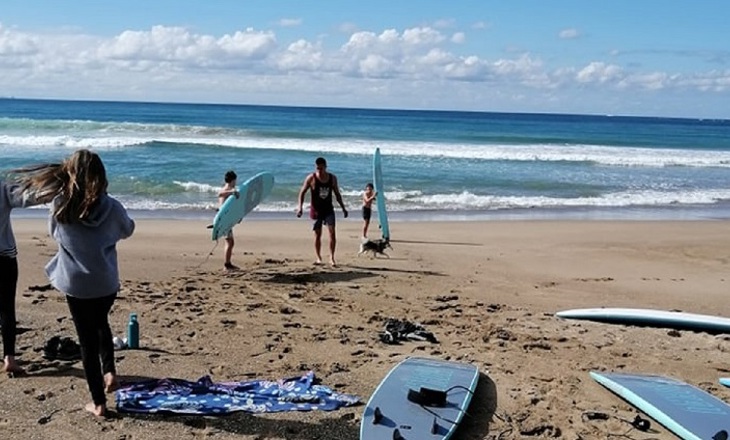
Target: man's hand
x=299 y=212
x=344 y=211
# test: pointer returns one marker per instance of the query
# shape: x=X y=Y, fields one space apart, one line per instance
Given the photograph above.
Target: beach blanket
x=204 y=396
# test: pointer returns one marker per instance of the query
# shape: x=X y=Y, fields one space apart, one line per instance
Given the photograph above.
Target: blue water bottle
x=133 y=331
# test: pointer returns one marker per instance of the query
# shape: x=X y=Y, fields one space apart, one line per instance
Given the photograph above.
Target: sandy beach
x=487 y=290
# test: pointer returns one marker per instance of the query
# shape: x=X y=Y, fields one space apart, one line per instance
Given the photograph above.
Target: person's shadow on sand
x=241 y=423
x=316 y=277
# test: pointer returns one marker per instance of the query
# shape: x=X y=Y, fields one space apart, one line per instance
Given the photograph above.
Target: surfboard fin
x=377 y=415
x=397 y=435
x=435 y=426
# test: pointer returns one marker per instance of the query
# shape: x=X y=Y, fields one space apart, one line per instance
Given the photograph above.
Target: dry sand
x=487 y=290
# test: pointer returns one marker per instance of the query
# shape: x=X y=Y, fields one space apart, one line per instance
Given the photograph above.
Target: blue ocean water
x=169 y=159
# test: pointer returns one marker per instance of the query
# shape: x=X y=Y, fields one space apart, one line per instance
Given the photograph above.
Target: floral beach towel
x=204 y=396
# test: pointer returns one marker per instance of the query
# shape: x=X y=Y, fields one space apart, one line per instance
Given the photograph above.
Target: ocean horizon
x=167 y=160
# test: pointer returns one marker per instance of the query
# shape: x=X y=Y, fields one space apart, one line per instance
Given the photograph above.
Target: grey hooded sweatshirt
x=86 y=263
x=10 y=197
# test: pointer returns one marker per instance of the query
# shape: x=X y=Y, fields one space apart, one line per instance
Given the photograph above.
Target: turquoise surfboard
x=725 y=381
x=234 y=209
x=420 y=398
x=687 y=411
x=380 y=199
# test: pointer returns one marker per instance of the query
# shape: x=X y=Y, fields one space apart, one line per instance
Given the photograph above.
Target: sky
x=617 y=57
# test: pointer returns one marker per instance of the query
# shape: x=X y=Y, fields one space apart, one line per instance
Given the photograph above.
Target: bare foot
x=11 y=367
x=97 y=410
x=317 y=262
x=333 y=263
x=110 y=383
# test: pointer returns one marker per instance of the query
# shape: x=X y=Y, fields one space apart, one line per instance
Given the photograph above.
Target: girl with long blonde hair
x=87 y=224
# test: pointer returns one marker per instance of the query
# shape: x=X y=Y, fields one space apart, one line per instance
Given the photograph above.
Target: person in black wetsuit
x=323 y=186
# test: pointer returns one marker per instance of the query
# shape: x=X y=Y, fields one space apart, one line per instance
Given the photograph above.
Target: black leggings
x=8 y=284
x=91 y=319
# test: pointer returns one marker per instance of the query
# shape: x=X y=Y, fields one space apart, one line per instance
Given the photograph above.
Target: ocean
x=168 y=160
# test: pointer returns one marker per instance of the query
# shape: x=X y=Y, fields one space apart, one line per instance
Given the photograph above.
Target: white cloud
x=175 y=63
x=569 y=34
x=290 y=22
x=519 y=66
x=648 y=81
x=422 y=36
x=714 y=81
x=376 y=66
x=467 y=69
x=444 y=23
x=178 y=45
x=301 y=55
x=599 y=72
x=250 y=44
x=437 y=57
x=348 y=28
x=458 y=38
x=16 y=43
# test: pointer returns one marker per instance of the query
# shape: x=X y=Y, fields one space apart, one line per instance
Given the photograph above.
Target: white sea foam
x=604 y=155
x=197 y=187
x=467 y=201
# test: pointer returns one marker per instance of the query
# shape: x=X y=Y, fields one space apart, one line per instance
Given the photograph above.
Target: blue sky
x=622 y=57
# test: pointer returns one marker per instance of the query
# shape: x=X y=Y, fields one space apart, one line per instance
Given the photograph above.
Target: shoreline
x=639 y=213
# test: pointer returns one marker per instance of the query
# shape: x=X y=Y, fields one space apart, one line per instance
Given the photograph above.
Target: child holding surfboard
x=228 y=189
x=86 y=223
x=368 y=196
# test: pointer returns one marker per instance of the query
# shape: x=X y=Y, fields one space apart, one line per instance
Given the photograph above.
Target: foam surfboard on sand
x=234 y=209
x=380 y=198
x=687 y=411
x=392 y=414
x=651 y=318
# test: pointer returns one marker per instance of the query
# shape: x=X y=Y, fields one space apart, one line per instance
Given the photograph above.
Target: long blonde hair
x=80 y=180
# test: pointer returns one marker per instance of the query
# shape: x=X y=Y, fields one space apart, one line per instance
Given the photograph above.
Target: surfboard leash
x=207 y=257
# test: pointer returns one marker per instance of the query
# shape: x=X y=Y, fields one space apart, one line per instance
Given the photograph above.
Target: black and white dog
x=375 y=247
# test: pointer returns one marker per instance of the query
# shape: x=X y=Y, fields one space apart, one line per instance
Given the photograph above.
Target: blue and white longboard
x=398 y=410
x=234 y=209
x=380 y=198
x=687 y=411
x=651 y=318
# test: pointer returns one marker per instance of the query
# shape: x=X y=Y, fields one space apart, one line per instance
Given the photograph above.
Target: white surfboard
x=234 y=209
x=651 y=318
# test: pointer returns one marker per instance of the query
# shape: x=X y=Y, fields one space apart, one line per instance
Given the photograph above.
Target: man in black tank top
x=322 y=186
